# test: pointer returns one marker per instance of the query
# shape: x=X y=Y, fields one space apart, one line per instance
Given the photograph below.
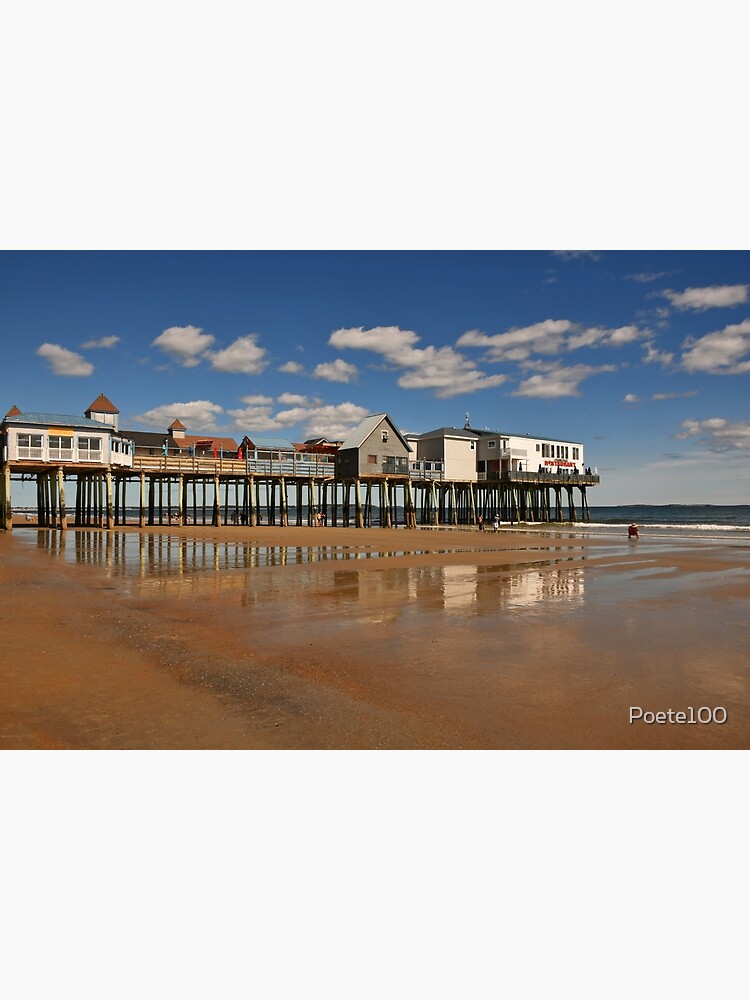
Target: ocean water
x=706 y=521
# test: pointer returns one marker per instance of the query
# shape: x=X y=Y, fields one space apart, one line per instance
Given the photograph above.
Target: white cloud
x=442 y=369
x=448 y=373
x=334 y=421
x=557 y=382
x=654 y=356
x=64 y=362
x=674 y=395
x=335 y=371
x=390 y=341
x=104 y=342
x=319 y=420
x=595 y=336
x=291 y=399
x=519 y=343
x=712 y=297
x=257 y=400
x=254 y=418
x=631 y=398
x=243 y=356
x=720 y=352
x=184 y=344
x=645 y=277
x=198 y=415
x=717 y=433
x=291 y=368
x=577 y=254
x=551 y=336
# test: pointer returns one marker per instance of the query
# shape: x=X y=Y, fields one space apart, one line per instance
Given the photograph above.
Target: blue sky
x=644 y=356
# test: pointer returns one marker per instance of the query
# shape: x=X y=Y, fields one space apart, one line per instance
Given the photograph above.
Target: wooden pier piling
x=230 y=493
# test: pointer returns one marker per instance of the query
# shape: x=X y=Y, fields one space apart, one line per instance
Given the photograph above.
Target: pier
x=173 y=490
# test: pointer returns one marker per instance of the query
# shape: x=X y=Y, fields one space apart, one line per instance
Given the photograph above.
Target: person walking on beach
x=496 y=523
x=480 y=522
x=633 y=531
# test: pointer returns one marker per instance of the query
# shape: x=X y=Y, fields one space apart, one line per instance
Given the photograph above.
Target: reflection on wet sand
x=486 y=587
x=196 y=640
x=185 y=567
x=169 y=554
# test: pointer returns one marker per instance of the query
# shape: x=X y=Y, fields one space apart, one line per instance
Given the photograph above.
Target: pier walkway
x=304 y=490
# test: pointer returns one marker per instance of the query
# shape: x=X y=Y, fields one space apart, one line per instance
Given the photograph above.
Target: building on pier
x=178 y=442
x=260 y=447
x=448 y=476
x=62 y=439
x=468 y=454
x=104 y=411
x=375 y=447
x=446 y=452
x=175 y=442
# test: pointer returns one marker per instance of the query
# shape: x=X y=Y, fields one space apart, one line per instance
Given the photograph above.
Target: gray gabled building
x=374 y=448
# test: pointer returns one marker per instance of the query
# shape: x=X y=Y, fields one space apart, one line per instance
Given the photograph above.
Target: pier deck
x=216 y=491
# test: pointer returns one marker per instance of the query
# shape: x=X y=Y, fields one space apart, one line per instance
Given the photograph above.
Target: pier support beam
x=216 y=518
x=110 y=510
x=142 y=503
x=181 y=499
x=61 y=499
x=6 y=509
x=358 y=504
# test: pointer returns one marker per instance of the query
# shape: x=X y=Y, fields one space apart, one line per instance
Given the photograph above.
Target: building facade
x=63 y=439
x=469 y=455
x=375 y=448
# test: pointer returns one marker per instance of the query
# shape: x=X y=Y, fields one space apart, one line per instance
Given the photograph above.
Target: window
x=89 y=449
x=29 y=445
x=537 y=447
x=394 y=464
x=61 y=447
x=372 y=459
x=384 y=435
x=576 y=454
x=29 y=440
x=472 y=446
x=492 y=444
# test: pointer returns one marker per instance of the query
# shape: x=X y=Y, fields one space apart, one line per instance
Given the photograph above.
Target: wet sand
x=332 y=638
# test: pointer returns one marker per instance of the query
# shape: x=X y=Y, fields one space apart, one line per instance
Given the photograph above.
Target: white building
x=467 y=454
x=509 y=453
x=445 y=453
x=62 y=439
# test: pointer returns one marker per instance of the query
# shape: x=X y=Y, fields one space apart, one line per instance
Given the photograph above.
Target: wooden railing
x=208 y=465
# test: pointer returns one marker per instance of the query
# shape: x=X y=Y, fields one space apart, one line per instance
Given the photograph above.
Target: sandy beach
x=300 y=638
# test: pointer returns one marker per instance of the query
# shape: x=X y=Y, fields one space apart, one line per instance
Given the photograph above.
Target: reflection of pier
x=464 y=587
x=202 y=490
x=195 y=567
